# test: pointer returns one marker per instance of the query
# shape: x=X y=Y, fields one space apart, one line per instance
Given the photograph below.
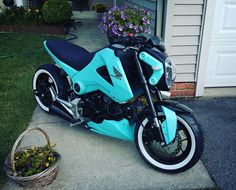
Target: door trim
x=204 y=51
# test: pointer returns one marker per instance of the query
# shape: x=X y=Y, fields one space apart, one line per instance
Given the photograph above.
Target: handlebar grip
x=130 y=40
x=121 y=40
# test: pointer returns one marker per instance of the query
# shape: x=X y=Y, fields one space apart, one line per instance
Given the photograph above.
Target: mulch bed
x=38 y=29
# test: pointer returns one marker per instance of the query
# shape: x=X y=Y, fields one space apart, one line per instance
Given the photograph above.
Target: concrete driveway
x=218 y=119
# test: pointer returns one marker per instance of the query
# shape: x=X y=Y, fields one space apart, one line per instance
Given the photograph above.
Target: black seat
x=71 y=54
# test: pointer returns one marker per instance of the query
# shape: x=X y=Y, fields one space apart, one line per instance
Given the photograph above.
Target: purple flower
x=144 y=19
x=114 y=29
x=141 y=10
x=121 y=28
x=130 y=25
x=110 y=17
x=120 y=21
x=122 y=15
x=136 y=29
x=105 y=28
x=115 y=8
x=104 y=18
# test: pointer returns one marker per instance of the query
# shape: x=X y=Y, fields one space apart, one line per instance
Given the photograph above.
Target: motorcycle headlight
x=170 y=72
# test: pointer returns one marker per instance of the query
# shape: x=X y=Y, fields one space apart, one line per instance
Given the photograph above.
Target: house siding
x=183 y=29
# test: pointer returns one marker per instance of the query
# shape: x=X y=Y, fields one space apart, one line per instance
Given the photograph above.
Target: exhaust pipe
x=64 y=115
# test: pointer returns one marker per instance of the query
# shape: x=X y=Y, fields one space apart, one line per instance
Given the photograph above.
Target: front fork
x=149 y=98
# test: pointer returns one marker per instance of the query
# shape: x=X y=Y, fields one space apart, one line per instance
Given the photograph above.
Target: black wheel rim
x=43 y=84
x=179 y=157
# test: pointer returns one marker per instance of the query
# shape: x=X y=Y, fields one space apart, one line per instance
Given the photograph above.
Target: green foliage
x=19 y=15
x=100 y=8
x=33 y=161
x=57 y=11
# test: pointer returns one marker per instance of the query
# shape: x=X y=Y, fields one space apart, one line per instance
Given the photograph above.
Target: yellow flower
x=36 y=10
x=33 y=147
x=47 y=164
x=49 y=158
x=29 y=10
x=17 y=158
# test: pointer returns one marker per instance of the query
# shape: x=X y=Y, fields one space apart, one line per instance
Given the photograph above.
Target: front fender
x=170 y=109
x=174 y=106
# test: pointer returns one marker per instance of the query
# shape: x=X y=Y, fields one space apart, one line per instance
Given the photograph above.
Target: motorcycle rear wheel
x=47 y=76
x=180 y=155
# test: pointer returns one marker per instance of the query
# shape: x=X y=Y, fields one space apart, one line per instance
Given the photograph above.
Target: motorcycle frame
x=120 y=91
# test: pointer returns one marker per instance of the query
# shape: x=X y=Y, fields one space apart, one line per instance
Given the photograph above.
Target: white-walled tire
x=180 y=155
x=46 y=76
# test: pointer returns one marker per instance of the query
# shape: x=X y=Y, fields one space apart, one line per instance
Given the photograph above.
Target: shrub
x=123 y=21
x=57 y=11
x=100 y=8
x=19 y=15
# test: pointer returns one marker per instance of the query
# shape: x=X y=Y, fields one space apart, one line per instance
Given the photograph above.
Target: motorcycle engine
x=98 y=106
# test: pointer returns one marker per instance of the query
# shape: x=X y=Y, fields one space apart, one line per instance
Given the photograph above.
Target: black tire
x=176 y=163
x=45 y=76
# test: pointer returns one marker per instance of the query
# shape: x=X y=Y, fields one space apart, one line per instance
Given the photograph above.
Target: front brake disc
x=166 y=151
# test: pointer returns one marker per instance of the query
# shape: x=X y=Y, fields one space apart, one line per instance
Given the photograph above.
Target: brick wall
x=183 y=89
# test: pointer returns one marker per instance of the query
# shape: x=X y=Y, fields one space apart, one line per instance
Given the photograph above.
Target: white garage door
x=221 y=66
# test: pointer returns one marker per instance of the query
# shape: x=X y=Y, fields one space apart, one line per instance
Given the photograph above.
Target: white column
x=19 y=3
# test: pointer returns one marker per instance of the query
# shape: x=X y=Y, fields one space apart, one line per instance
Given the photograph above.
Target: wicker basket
x=43 y=178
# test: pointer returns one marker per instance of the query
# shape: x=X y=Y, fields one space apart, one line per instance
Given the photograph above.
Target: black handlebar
x=138 y=41
x=131 y=40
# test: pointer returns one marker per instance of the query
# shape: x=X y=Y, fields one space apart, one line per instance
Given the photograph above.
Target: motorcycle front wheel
x=178 y=156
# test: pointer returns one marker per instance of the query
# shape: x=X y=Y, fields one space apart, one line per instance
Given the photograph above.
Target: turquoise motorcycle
x=117 y=91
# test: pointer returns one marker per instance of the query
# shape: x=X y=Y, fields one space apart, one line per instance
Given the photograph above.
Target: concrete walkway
x=92 y=161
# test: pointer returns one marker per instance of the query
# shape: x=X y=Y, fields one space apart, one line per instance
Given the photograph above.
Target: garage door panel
x=222 y=66
x=225 y=20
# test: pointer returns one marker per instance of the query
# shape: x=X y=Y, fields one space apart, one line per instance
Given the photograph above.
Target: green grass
x=20 y=55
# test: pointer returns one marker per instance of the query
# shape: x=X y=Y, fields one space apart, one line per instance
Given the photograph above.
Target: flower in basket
x=124 y=21
x=32 y=166
x=33 y=160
